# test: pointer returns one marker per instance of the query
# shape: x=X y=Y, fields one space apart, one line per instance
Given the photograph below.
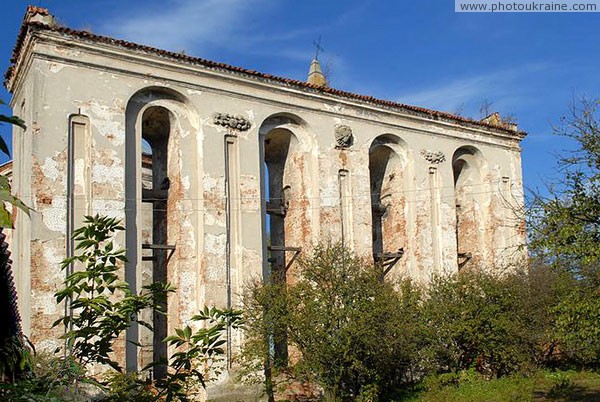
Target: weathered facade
x=194 y=156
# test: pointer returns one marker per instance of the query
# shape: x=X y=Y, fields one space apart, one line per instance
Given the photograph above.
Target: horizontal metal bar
x=158 y=247
x=284 y=248
x=149 y=195
x=276 y=209
x=389 y=255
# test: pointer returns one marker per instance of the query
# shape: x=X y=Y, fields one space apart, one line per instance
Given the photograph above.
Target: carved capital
x=434 y=157
x=234 y=122
x=343 y=136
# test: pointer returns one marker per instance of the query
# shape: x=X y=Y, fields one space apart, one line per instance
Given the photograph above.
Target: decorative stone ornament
x=434 y=157
x=237 y=122
x=343 y=136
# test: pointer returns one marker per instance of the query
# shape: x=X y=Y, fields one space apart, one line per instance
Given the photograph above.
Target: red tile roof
x=416 y=110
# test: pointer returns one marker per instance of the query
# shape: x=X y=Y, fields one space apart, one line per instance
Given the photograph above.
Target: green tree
x=356 y=334
x=102 y=307
x=565 y=233
x=565 y=225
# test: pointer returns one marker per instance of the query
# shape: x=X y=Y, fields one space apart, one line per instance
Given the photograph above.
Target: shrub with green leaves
x=51 y=379
x=196 y=350
x=356 y=334
x=130 y=387
x=577 y=327
x=265 y=309
x=477 y=320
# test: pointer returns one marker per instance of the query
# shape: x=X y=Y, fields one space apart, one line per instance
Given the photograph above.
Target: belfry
x=222 y=175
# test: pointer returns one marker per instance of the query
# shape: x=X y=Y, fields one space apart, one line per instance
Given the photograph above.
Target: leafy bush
x=51 y=379
x=196 y=350
x=130 y=387
x=477 y=320
x=356 y=334
x=577 y=327
x=265 y=308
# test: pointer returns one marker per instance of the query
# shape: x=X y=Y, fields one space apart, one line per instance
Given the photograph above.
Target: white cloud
x=201 y=27
x=185 y=24
x=503 y=87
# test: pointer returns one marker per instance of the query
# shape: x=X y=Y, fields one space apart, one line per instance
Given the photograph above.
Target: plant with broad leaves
x=194 y=349
x=15 y=357
x=101 y=305
x=6 y=220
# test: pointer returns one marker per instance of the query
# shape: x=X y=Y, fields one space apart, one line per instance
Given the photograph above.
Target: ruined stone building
x=222 y=174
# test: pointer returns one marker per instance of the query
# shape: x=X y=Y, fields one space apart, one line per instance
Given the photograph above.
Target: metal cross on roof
x=318 y=47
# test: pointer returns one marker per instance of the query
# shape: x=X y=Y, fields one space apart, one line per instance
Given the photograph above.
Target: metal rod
x=70 y=215
x=228 y=142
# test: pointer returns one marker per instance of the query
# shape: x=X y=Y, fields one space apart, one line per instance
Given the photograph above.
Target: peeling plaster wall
x=66 y=77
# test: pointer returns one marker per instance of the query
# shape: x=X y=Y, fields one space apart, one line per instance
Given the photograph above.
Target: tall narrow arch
x=156 y=119
x=387 y=164
x=156 y=129
x=285 y=188
x=277 y=144
x=467 y=168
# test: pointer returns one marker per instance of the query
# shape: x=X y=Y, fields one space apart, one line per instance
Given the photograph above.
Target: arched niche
x=156 y=120
x=278 y=185
x=388 y=186
x=469 y=190
x=285 y=189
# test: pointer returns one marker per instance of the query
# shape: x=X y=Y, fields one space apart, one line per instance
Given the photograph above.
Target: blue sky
x=529 y=65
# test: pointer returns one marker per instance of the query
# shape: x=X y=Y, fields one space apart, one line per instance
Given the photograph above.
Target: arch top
x=388 y=139
x=467 y=162
x=178 y=106
x=292 y=123
x=465 y=150
x=152 y=93
x=282 y=120
x=156 y=123
x=389 y=146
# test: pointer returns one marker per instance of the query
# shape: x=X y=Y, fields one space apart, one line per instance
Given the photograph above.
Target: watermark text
x=526 y=6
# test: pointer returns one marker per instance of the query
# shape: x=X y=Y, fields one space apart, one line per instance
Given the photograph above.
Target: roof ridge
x=230 y=68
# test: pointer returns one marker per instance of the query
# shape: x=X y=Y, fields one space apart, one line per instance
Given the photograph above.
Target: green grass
x=541 y=387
